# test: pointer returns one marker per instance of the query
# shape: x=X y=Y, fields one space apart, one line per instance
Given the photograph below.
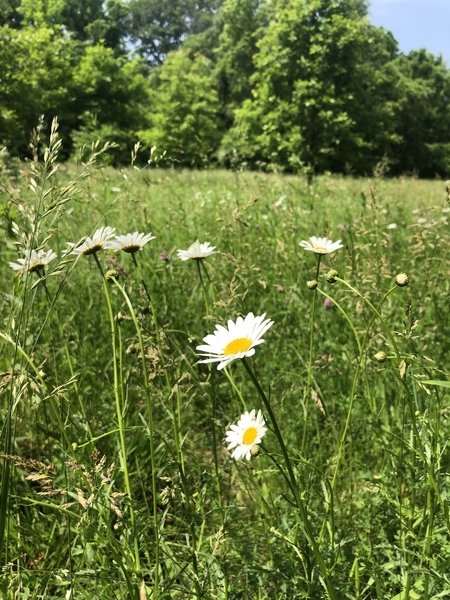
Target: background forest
x=297 y=85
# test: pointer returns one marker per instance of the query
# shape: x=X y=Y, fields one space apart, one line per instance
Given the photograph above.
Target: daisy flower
x=246 y=434
x=321 y=245
x=392 y=226
x=236 y=341
x=131 y=242
x=34 y=260
x=197 y=251
x=99 y=241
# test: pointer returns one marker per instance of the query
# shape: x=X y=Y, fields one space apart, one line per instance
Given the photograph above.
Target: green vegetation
x=303 y=86
x=115 y=479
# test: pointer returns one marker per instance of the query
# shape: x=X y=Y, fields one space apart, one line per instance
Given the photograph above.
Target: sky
x=415 y=23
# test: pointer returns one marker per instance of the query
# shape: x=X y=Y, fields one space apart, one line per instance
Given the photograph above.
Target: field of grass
x=116 y=481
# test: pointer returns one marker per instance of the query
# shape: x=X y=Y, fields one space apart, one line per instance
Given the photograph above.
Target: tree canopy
x=298 y=85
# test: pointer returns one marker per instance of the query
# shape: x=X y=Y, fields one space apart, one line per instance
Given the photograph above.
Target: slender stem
x=150 y=427
x=205 y=294
x=307 y=527
x=310 y=357
x=119 y=413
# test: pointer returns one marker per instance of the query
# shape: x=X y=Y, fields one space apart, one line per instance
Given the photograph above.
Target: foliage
x=160 y=26
x=296 y=85
x=183 y=110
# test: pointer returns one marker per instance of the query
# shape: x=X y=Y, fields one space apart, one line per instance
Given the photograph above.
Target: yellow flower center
x=238 y=345
x=249 y=436
x=320 y=249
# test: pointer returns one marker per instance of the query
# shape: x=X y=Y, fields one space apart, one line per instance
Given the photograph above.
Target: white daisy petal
x=247 y=433
x=101 y=240
x=35 y=260
x=130 y=242
x=321 y=245
x=197 y=251
x=238 y=341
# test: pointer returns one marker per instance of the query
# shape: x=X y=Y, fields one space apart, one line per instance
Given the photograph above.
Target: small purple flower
x=328 y=303
x=164 y=256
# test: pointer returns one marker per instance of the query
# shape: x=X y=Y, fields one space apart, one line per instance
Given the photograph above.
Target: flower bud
x=312 y=284
x=255 y=450
x=380 y=357
x=402 y=279
x=331 y=276
x=328 y=303
x=112 y=273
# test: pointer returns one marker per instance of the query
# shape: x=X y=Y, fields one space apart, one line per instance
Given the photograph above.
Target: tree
x=423 y=118
x=239 y=21
x=111 y=97
x=314 y=94
x=36 y=65
x=183 y=110
x=160 y=26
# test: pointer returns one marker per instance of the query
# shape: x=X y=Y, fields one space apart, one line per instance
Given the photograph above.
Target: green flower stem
x=307 y=527
x=205 y=294
x=235 y=387
x=359 y=366
x=345 y=315
x=172 y=390
x=69 y=361
x=150 y=427
x=119 y=413
x=209 y=281
x=310 y=358
x=420 y=448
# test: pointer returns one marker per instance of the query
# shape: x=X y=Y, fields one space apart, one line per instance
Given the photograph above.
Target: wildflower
x=99 y=241
x=34 y=260
x=236 y=341
x=331 y=276
x=321 y=245
x=402 y=279
x=131 y=242
x=392 y=226
x=164 y=256
x=328 y=303
x=380 y=356
x=243 y=437
x=312 y=284
x=196 y=251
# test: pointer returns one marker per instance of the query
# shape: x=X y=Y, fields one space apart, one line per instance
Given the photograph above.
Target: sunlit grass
x=116 y=478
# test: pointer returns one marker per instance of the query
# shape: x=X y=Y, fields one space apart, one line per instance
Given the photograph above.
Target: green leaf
x=439 y=382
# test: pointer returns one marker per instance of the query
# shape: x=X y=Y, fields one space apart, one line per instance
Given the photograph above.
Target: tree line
x=296 y=85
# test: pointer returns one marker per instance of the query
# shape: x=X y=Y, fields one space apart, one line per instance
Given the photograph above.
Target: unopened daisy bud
x=111 y=273
x=74 y=446
x=402 y=279
x=255 y=450
x=380 y=357
x=331 y=276
x=312 y=284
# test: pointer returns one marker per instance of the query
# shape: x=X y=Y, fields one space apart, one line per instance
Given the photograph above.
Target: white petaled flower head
x=130 y=242
x=99 y=241
x=321 y=245
x=246 y=434
x=392 y=226
x=197 y=251
x=34 y=260
x=237 y=340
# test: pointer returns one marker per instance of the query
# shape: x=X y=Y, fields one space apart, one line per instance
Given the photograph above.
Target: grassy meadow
x=116 y=481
